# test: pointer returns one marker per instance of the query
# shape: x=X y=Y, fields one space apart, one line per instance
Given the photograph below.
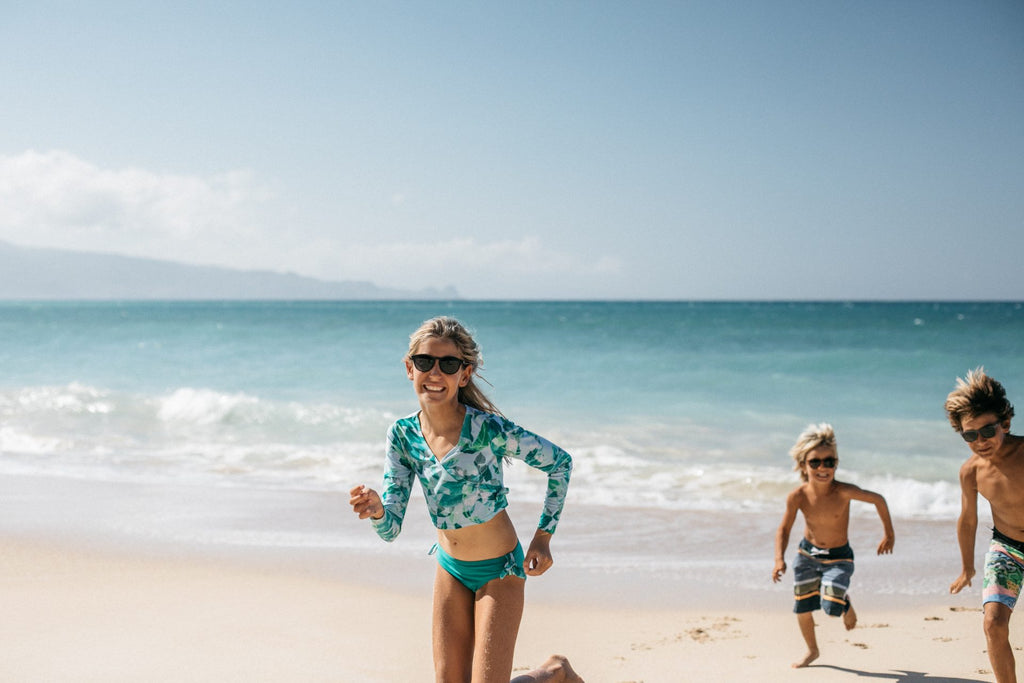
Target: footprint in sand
x=699 y=634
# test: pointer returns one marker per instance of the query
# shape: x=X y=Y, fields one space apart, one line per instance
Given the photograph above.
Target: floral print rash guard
x=466 y=486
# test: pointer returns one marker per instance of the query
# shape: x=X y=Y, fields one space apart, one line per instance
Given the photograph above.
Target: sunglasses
x=986 y=432
x=449 y=364
x=815 y=463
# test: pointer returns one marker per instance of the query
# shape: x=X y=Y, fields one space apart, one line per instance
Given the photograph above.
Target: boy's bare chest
x=824 y=506
x=1003 y=484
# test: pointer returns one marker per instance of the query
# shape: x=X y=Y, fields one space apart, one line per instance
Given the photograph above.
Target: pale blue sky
x=670 y=150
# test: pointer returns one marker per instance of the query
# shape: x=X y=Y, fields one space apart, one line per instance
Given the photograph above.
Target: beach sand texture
x=80 y=613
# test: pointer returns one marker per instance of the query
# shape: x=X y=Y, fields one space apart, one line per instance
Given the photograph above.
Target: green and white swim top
x=466 y=486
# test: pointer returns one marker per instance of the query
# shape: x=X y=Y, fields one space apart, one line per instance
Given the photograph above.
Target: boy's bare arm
x=878 y=500
x=782 y=534
x=966 y=526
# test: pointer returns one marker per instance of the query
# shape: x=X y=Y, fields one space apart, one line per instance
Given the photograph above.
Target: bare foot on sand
x=811 y=656
x=849 y=616
x=555 y=670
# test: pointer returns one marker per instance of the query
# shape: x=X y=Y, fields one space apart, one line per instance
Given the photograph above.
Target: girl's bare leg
x=806 y=621
x=452 y=629
x=474 y=636
x=499 y=609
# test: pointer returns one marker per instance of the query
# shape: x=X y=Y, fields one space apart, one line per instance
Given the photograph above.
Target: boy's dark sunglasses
x=988 y=431
x=815 y=463
x=449 y=364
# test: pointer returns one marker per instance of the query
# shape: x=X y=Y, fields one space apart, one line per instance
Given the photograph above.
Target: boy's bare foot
x=811 y=656
x=849 y=616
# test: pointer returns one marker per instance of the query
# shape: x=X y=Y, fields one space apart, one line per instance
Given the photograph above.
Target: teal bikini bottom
x=474 y=575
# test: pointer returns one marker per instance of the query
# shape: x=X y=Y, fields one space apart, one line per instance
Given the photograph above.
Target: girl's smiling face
x=434 y=387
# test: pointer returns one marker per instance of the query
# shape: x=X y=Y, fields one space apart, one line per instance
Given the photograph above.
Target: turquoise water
x=684 y=405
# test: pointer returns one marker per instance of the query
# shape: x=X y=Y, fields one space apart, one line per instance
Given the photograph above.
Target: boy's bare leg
x=806 y=621
x=997 y=633
x=555 y=670
x=849 y=616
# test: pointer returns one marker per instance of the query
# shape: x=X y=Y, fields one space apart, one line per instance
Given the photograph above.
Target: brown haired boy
x=979 y=411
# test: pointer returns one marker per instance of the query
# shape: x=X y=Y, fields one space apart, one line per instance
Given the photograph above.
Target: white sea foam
x=13 y=440
x=205 y=407
x=235 y=438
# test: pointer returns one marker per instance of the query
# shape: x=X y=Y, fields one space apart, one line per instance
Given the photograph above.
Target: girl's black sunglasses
x=449 y=364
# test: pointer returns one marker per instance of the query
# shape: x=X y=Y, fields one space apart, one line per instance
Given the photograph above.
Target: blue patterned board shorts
x=475 y=575
x=821 y=577
x=1004 y=570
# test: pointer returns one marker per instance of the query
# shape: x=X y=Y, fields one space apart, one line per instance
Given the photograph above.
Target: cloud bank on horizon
x=658 y=150
x=56 y=200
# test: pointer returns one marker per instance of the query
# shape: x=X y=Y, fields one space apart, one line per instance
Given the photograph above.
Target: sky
x=869 y=149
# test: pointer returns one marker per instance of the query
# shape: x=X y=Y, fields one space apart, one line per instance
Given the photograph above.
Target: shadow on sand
x=900 y=676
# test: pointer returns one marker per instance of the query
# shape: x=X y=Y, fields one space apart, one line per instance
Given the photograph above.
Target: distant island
x=57 y=274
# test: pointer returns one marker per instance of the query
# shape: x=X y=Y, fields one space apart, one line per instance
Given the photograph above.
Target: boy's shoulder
x=808 y=491
x=1017 y=452
x=970 y=463
x=800 y=490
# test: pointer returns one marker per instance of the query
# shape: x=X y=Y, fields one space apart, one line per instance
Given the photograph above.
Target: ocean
x=199 y=419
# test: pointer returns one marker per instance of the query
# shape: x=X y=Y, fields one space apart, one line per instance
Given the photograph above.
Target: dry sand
x=79 y=613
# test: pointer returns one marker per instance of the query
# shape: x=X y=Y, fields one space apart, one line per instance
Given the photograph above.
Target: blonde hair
x=977 y=394
x=813 y=437
x=444 y=327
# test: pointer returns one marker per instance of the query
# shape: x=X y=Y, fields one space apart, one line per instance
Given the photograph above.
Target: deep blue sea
x=667 y=407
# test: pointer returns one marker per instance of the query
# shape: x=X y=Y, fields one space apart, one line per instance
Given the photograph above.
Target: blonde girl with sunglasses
x=456 y=445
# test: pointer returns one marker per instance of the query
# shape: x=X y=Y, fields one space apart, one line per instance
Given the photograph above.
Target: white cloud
x=55 y=199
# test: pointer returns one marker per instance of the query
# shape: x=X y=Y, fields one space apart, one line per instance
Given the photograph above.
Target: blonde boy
x=824 y=561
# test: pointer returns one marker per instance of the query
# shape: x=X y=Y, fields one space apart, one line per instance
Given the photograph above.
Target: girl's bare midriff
x=493 y=538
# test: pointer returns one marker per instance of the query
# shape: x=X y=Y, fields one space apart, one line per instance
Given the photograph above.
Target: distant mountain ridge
x=58 y=274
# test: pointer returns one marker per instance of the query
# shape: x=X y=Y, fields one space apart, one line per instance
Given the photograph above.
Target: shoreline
x=613 y=556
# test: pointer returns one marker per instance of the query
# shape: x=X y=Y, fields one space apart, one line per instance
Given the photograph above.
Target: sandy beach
x=76 y=612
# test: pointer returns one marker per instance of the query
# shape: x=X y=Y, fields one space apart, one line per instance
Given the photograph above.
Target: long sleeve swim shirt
x=466 y=486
